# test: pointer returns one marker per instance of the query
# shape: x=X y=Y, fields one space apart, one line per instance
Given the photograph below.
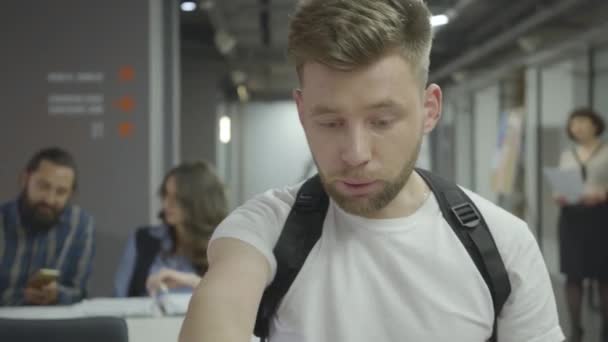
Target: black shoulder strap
x=470 y=227
x=300 y=233
x=305 y=222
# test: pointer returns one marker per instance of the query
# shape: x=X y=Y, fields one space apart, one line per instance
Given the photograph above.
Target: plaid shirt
x=67 y=247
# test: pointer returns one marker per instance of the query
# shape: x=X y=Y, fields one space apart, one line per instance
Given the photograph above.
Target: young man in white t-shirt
x=387 y=267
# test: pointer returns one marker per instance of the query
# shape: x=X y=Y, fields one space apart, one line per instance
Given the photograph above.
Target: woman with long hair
x=173 y=255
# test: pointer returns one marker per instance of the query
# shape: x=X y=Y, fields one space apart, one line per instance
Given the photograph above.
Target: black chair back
x=89 y=329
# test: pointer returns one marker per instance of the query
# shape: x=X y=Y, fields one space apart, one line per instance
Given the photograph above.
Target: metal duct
x=505 y=38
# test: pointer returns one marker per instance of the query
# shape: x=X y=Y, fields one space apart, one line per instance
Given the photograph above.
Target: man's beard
x=368 y=206
x=38 y=216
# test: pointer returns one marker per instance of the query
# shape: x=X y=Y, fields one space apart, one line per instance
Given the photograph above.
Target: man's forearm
x=216 y=316
x=224 y=306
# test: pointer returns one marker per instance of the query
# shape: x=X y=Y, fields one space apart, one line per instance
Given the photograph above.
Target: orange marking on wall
x=126 y=129
x=126 y=73
x=125 y=103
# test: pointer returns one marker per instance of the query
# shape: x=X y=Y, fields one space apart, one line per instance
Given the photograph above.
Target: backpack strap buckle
x=467 y=215
x=306 y=202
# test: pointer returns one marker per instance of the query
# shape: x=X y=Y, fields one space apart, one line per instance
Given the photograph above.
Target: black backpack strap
x=300 y=233
x=470 y=227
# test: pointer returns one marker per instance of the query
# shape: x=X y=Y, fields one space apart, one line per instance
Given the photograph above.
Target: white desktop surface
x=154 y=329
x=141 y=329
x=145 y=323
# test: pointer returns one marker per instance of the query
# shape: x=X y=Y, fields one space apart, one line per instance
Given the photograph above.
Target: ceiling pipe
x=578 y=42
x=265 y=20
x=503 y=39
x=509 y=14
x=224 y=40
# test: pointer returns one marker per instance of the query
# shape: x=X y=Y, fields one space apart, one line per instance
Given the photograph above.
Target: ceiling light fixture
x=225 y=129
x=439 y=20
x=188 y=6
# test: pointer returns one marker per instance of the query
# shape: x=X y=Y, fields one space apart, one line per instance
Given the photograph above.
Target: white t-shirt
x=404 y=279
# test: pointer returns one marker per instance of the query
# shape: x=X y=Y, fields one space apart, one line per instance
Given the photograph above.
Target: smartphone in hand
x=43 y=277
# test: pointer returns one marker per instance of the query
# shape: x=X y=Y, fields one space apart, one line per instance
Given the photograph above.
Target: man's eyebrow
x=383 y=104
x=323 y=109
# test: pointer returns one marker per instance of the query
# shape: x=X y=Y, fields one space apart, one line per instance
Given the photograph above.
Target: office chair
x=89 y=329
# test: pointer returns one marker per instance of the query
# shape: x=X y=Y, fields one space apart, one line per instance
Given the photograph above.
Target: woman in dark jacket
x=173 y=255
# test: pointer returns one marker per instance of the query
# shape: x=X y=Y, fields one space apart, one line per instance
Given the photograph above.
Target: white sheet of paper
x=568 y=183
x=174 y=304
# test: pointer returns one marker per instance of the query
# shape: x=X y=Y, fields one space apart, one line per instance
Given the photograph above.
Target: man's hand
x=225 y=303
x=46 y=295
x=171 y=279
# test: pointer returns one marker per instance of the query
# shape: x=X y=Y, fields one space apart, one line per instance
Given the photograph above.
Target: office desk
x=144 y=321
x=141 y=329
x=154 y=329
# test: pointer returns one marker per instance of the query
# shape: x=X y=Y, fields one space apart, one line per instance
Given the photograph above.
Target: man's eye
x=43 y=186
x=330 y=124
x=382 y=123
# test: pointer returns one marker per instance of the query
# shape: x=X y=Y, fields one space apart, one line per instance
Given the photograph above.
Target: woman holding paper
x=582 y=223
x=172 y=256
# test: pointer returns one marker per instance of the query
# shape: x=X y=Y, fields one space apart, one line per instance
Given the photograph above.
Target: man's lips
x=45 y=208
x=356 y=187
x=356 y=182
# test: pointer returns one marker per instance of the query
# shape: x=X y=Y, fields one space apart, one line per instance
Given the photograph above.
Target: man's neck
x=408 y=201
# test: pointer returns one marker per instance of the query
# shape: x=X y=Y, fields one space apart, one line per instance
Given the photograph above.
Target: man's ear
x=432 y=107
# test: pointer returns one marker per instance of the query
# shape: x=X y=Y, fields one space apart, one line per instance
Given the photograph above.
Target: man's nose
x=357 y=146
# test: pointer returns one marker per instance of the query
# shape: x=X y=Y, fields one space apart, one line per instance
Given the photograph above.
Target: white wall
x=442 y=149
x=200 y=98
x=601 y=82
x=557 y=93
x=463 y=141
x=274 y=149
x=486 y=114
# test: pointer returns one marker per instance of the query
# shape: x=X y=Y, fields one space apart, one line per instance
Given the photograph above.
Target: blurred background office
x=132 y=88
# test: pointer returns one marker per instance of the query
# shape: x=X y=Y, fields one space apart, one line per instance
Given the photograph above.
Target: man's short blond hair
x=346 y=34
